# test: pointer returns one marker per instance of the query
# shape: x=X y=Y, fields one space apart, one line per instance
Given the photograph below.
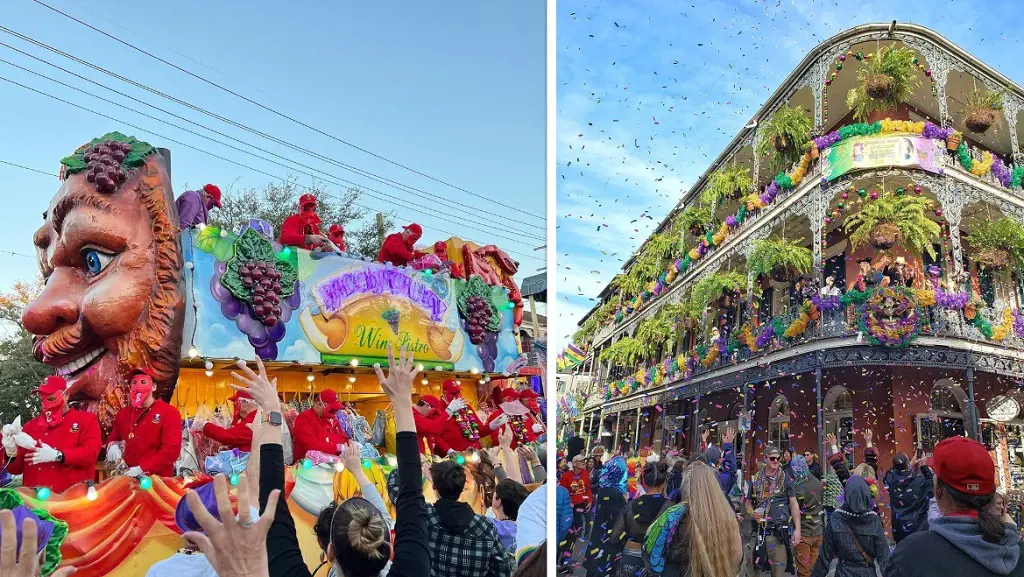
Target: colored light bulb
x=43 y=493
x=307 y=464
x=92 y=494
x=146 y=483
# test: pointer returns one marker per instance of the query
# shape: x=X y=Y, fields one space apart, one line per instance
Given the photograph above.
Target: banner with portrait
x=867 y=152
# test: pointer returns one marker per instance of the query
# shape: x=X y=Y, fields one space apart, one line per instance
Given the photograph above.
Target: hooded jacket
x=954 y=546
x=908 y=496
x=854 y=535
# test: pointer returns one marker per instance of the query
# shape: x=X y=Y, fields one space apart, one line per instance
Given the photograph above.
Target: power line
x=357 y=170
x=27 y=168
x=11 y=252
x=392 y=198
x=281 y=114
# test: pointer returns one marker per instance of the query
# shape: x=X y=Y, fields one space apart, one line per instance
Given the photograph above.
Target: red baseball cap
x=508 y=395
x=528 y=394
x=335 y=228
x=451 y=387
x=52 y=385
x=964 y=465
x=142 y=371
x=330 y=398
x=415 y=229
x=434 y=402
x=239 y=395
x=306 y=200
x=214 y=191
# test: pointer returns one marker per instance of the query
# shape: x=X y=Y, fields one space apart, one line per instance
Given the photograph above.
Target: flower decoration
x=890 y=317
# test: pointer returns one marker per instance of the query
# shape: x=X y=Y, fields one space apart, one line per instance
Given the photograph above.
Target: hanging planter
x=727 y=183
x=996 y=243
x=782 y=143
x=783 y=133
x=885 y=235
x=780 y=259
x=953 y=140
x=892 y=219
x=878 y=86
x=980 y=110
x=886 y=81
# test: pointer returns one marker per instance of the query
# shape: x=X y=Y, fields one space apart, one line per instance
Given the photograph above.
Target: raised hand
x=505 y=438
x=262 y=389
x=729 y=435
x=234 y=547
x=868 y=435
x=352 y=457
x=23 y=562
x=398 y=382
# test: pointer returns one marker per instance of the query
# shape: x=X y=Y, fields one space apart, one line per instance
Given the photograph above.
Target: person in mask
x=464 y=428
x=302 y=229
x=59 y=447
x=910 y=486
x=238 y=435
x=317 y=428
x=147 y=434
x=399 y=248
x=431 y=420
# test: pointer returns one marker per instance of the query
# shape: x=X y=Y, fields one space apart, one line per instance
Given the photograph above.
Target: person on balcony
x=900 y=274
x=869 y=278
x=829 y=289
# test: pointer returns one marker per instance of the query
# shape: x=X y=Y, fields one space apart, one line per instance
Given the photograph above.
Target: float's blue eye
x=95 y=261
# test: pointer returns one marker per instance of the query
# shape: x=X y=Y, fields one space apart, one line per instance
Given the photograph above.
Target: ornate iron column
x=821 y=410
x=618 y=423
x=695 y=426
x=1012 y=105
x=953 y=202
x=636 y=433
x=972 y=409
x=816 y=212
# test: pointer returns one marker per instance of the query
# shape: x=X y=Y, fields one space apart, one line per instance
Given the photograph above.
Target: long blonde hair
x=711 y=525
x=864 y=470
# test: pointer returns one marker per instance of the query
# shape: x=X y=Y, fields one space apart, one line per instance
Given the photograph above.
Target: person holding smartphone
x=910 y=486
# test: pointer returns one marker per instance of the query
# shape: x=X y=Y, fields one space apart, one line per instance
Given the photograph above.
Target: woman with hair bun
x=636 y=517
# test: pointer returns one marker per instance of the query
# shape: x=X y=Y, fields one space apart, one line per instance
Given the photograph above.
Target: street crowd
x=696 y=515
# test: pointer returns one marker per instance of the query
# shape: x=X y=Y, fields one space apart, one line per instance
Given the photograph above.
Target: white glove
x=538 y=428
x=456 y=406
x=134 y=472
x=14 y=427
x=499 y=422
x=114 y=452
x=198 y=424
x=44 y=454
x=10 y=447
x=25 y=441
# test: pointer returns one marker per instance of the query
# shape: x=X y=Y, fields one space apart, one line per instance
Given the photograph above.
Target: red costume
x=151 y=435
x=431 y=427
x=315 y=433
x=522 y=425
x=238 y=435
x=297 y=227
x=337 y=235
x=398 y=248
x=464 y=429
x=578 y=485
x=75 y=434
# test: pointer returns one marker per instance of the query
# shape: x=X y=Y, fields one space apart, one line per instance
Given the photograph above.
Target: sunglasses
x=773 y=459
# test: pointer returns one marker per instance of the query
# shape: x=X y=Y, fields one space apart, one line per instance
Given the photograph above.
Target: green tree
x=20 y=373
x=276 y=201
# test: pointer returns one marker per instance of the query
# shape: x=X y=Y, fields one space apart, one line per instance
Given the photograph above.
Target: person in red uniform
x=65 y=442
x=238 y=435
x=535 y=419
x=303 y=229
x=398 y=248
x=522 y=429
x=147 y=435
x=460 y=415
x=431 y=421
x=337 y=235
x=317 y=428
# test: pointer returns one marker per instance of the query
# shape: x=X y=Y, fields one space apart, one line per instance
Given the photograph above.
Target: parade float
x=188 y=302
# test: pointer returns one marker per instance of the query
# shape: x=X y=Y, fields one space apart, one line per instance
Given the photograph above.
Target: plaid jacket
x=476 y=552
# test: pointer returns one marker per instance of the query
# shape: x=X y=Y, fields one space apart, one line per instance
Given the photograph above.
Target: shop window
x=778 y=423
x=946 y=417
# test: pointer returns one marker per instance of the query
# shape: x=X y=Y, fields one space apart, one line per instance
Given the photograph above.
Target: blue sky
x=649 y=93
x=455 y=90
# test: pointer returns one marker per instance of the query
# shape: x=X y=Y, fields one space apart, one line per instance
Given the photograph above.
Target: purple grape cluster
x=262 y=336
x=264 y=280
x=103 y=164
x=479 y=317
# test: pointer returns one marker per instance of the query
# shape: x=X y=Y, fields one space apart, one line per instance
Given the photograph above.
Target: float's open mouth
x=82 y=362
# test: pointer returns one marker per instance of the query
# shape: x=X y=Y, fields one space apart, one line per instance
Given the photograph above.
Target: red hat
x=964 y=465
x=415 y=229
x=330 y=398
x=51 y=385
x=527 y=394
x=508 y=395
x=335 y=228
x=451 y=387
x=239 y=395
x=434 y=402
x=214 y=191
x=143 y=371
x=306 y=200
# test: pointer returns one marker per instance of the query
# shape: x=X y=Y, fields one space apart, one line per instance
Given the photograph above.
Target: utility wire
x=390 y=198
x=27 y=168
x=281 y=114
x=357 y=170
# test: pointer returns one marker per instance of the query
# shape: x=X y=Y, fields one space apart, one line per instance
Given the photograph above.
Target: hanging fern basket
x=885 y=235
x=783 y=274
x=781 y=143
x=980 y=120
x=698 y=229
x=993 y=259
x=878 y=86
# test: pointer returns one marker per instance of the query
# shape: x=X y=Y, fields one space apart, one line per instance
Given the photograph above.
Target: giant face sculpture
x=113 y=299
